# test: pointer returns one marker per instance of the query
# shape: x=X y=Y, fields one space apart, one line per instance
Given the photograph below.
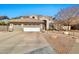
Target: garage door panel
x=31 y=29
x=17 y=28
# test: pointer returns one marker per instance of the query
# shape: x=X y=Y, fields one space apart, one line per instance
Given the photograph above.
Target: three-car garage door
x=28 y=28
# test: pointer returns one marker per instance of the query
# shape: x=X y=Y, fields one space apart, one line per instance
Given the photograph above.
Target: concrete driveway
x=24 y=43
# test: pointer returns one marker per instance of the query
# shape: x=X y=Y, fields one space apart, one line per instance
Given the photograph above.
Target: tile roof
x=26 y=20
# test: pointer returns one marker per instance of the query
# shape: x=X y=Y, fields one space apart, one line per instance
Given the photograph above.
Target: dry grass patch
x=60 y=42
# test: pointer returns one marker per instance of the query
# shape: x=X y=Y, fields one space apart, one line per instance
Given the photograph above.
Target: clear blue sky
x=13 y=10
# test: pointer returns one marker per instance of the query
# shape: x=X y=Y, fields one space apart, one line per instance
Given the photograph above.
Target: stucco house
x=30 y=23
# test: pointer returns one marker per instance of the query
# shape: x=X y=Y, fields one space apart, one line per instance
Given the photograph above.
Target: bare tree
x=65 y=15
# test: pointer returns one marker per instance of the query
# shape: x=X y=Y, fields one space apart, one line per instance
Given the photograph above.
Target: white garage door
x=31 y=29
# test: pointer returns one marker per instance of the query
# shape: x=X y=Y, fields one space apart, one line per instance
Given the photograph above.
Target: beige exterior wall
x=48 y=20
x=17 y=27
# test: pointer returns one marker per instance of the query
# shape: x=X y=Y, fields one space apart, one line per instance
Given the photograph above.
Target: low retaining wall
x=3 y=28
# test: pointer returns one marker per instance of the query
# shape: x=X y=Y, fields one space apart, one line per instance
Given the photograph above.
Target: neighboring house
x=3 y=17
x=34 y=22
x=59 y=26
x=3 y=23
x=70 y=24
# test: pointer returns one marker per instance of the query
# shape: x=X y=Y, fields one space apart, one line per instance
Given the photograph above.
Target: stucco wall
x=3 y=27
x=20 y=27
